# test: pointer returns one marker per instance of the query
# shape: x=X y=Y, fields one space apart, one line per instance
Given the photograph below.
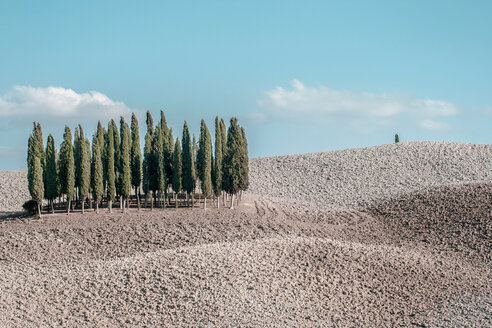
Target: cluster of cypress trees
x=113 y=166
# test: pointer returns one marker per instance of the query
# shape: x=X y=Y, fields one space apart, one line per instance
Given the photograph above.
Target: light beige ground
x=419 y=255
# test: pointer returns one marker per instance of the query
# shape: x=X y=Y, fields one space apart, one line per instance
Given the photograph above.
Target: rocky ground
x=405 y=241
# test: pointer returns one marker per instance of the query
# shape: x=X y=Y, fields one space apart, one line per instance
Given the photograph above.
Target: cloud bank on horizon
x=325 y=105
x=60 y=104
x=362 y=113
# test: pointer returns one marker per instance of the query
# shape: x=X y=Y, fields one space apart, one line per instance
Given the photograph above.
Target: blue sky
x=301 y=76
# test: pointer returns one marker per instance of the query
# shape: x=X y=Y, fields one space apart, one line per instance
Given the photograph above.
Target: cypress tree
x=233 y=158
x=223 y=135
x=136 y=159
x=169 y=163
x=125 y=170
x=39 y=146
x=117 y=158
x=195 y=151
x=67 y=167
x=30 y=160
x=158 y=165
x=85 y=169
x=111 y=186
x=37 y=188
x=102 y=137
x=244 y=181
x=188 y=164
x=35 y=149
x=35 y=173
x=51 y=172
x=217 y=163
x=147 y=155
x=177 y=171
x=171 y=144
x=77 y=150
x=40 y=151
x=97 y=169
x=168 y=151
x=38 y=141
x=204 y=165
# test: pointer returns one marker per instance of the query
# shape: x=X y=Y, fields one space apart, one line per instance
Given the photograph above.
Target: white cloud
x=59 y=103
x=429 y=124
x=325 y=104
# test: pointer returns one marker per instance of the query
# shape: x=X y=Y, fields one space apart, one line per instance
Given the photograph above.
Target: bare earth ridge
x=393 y=235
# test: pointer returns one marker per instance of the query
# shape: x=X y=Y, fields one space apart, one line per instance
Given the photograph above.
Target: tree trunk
x=232 y=201
x=39 y=210
x=97 y=207
x=205 y=203
x=218 y=201
x=68 y=207
x=90 y=202
x=152 y=202
x=127 y=202
x=192 y=200
x=123 y=205
x=121 y=202
x=110 y=204
x=82 y=203
x=52 y=207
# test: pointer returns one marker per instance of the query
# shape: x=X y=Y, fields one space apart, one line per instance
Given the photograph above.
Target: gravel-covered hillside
x=13 y=191
x=386 y=236
x=359 y=177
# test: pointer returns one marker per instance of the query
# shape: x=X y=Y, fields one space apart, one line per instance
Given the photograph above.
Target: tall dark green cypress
x=223 y=135
x=188 y=163
x=158 y=169
x=204 y=163
x=149 y=136
x=67 y=167
x=177 y=171
x=111 y=185
x=117 y=158
x=154 y=170
x=51 y=172
x=85 y=169
x=97 y=172
x=169 y=164
x=168 y=151
x=125 y=170
x=35 y=149
x=77 y=150
x=136 y=159
x=102 y=137
x=232 y=165
x=30 y=161
x=244 y=181
x=35 y=173
x=37 y=188
x=217 y=163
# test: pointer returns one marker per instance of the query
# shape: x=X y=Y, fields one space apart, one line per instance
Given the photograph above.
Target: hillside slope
x=356 y=178
x=312 y=245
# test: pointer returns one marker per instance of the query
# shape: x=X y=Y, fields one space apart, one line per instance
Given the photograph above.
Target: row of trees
x=113 y=165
